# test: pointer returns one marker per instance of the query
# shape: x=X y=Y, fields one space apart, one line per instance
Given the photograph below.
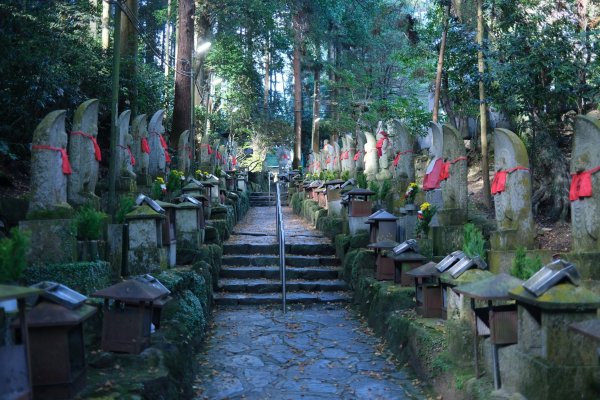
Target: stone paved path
x=319 y=352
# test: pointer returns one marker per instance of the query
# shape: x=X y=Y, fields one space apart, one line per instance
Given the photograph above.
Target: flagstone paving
x=320 y=352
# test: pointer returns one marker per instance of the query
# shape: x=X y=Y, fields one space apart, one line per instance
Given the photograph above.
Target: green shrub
x=386 y=186
x=524 y=267
x=361 y=180
x=89 y=223
x=345 y=175
x=55 y=213
x=12 y=255
x=374 y=186
x=85 y=277
x=474 y=243
x=126 y=205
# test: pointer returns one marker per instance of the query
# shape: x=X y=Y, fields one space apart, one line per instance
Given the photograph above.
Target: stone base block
x=538 y=379
x=357 y=224
x=145 y=260
x=510 y=240
x=501 y=260
x=446 y=239
x=143 y=179
x=587 y=264
x=127 y=184
x=334 y=208
x=452 y=216
x=53 y=241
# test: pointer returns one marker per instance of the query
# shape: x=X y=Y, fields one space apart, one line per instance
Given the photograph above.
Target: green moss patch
x=84 y=277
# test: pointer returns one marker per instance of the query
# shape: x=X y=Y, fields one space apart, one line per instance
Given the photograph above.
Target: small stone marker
x=370 y=157
x=205 y=151
x=454 y=175
x=124 y=154
x=84 y=155
x=403 y=156
x=185 y=153
x=384 y=151
x=141 y=148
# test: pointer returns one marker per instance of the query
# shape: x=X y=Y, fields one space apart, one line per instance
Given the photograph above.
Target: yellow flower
x=425 y=206
x=413 y=185
x=160 y=180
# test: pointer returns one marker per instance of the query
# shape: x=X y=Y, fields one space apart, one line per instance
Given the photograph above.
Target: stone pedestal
x=446 y=239
x=145 y=253
x=501 y=260
x=434 y=197
x=53 y=241
x=408 y=222
x=357 y=224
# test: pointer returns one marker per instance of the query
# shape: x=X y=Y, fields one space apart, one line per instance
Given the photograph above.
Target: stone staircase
x=250 y=271
x=264 y=199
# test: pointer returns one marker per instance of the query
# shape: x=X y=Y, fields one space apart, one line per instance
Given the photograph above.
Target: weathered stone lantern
x=320 y=196
x=169 y=232
x=498 y=321
x=406 y=257
x=230 y=180
x=55 y=327
x=190 y=223
x=428 y=292
x=359 y=204
x=197 y=190
x=548 y=361
x=242 y=181
x=157 y=305
x=211 y=189
x=128 y=314
x=145 y=238
x=333 y=196
x=384 y=266
x=382 y=226
x=15 y=369
x=453 y=304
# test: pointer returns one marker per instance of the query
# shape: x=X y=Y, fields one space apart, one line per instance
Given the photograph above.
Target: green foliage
x=12 y=255
x=85 y=277
x=384 y=191
x=89 y=223
x=473 y=243
x=126 y=205
x=523 y=267
x=345 y=175
x=361 y=180
x=374 y=186
x=425 y=214
x=55 y=213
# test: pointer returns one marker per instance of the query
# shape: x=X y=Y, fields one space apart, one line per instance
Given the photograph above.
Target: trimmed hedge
x=85 y=277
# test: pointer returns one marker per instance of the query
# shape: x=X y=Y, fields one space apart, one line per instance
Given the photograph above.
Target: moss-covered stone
x=330 y=226
x=84 y=277
x=342 y=244
x=211 y=235
x=359 y=241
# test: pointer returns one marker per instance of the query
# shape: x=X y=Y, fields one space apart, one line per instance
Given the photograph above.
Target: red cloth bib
x=145 y=146
x=128 y=150
x=210 y=150
x=445 y=171
x=397 y=158
x=97 y=152
x=581 y=184
x=357 y=156
x=219 y=156
x=234 y=161
x=66 y=165
x=432 y=179
x=379 y=144
x=499 y=182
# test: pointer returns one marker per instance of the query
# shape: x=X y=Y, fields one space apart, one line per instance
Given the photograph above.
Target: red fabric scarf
x=432 y=179
x=581 y=184
x=97 y=152
x=380 y=142
x=234 y=161
x=357 y=156
x=445 y=173
x=499 y=182
x=66 y=165
x=397 y=158
x=210 y=150
x=145 y=146
x=128 y=150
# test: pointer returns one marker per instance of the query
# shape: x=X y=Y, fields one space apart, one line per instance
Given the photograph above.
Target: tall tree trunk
x=485 y=172
x=316 y=105
x=93 y=18
x=297 y=93
x=583 y=20
x=182 y=102
x=113 y=169
x=105 y=25
x=129 y=53
x=333 y=92
x=440 y=65
x=168 y=40
x=267 y=81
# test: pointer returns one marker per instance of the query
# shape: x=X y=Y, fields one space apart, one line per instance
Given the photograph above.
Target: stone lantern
x=242 y=181
x=453 y=304
x=382 y=226
x=549 y=361
x=190 y=223
x=145 y=226
x=384 y=266
x=230 y=180
x=197 y=190
x=359 y=204
x=55 y=328
x=169 y=232
x=498 y=321
x=128 y=314
x=428 y=292
x=15 y=369
x=211 y=186
x=333 y=197
x=406 y=257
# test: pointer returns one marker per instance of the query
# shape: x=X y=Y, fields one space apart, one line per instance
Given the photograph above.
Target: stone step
x=275 y=298
x=309 y=273
x=273 y=260
x=273 y=248
x=274 y=286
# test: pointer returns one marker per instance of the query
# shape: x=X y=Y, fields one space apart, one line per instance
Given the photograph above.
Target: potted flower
x=409 y=196
x=425 y=214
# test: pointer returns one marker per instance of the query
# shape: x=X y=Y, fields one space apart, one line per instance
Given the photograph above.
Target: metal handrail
x=281 y=241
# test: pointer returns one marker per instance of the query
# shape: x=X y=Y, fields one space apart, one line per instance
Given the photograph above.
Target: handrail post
x=281 y=241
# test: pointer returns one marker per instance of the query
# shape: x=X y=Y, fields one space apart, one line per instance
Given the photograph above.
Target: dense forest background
x=356 y=62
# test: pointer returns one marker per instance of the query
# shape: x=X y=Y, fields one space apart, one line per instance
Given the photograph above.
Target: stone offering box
x=320 y=196
x=333 y=197
x=408 y=221
x=230 y=180
x=359 y=204
x=406 y=257
x=493 y=320
x=211 y=189
x=242 y=181
x=454 y=305
x=190 y=222
x=129 y=313
x=428 y=292
x=382 y=226
x=550 y=361
x=15 y=369
x=384 y=266
x=195 y=189
x=56 y=341
x=145 y=238
x=169 y=232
